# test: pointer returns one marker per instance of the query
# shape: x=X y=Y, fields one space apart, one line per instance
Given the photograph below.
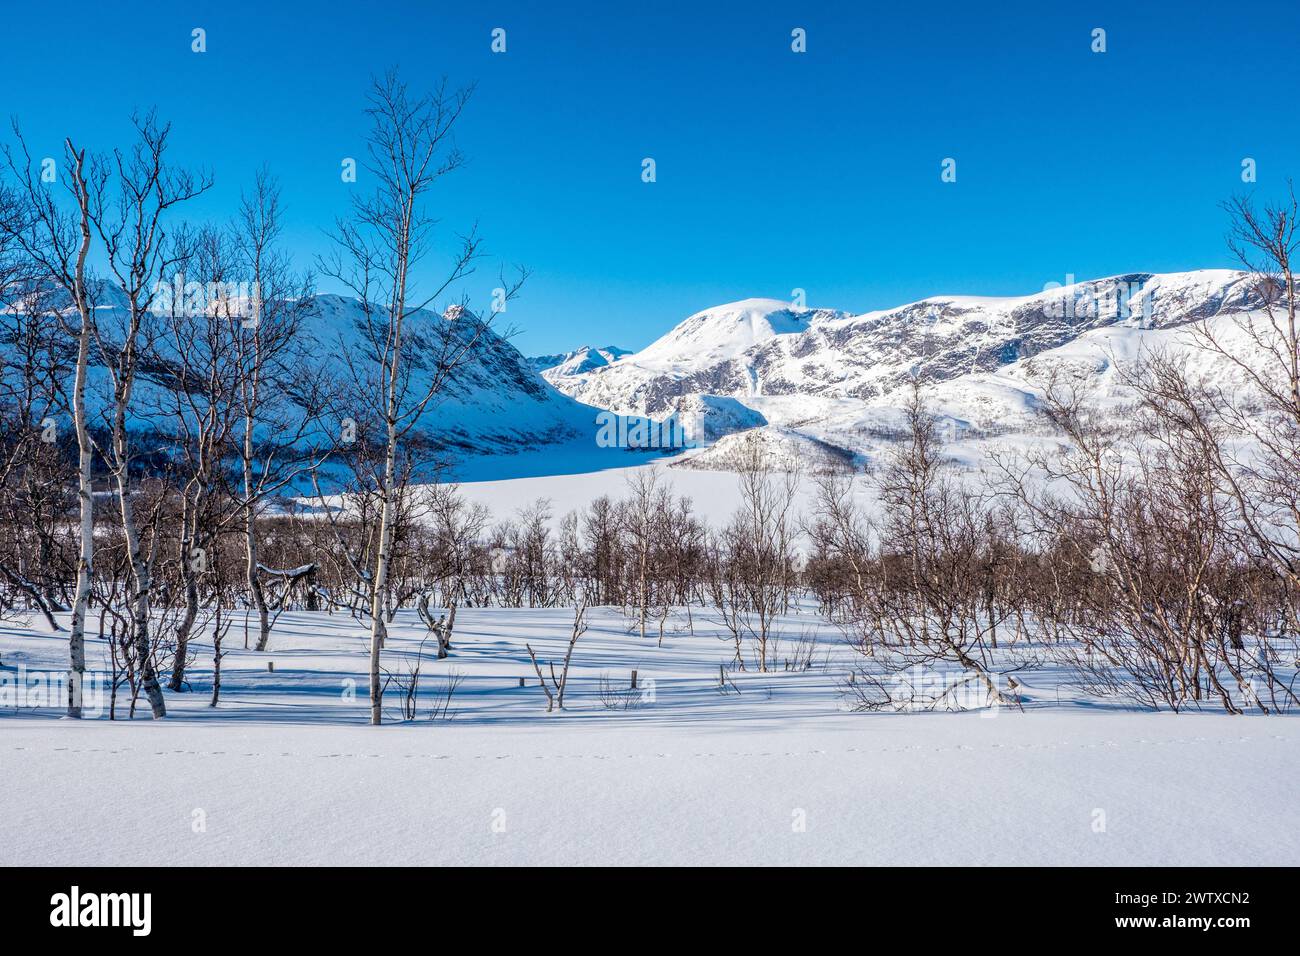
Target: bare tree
x=752 y=576
x=33 y=473
x=555 y=689
x=924 y=607
x=58 y=244
x=457 y=527
x=406 y=354
x=1134 y=521
x=193 y=360
x=131 y=227
x=1264 y=486
x=638 y=524
x=1216 y=469
x=281 y=394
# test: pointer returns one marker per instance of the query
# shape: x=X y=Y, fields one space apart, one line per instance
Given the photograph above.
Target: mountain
x=762 y=347
x=704 y=354
x=566 y=365
x=838 y=378
x=822 y=385
x=723 y=332
x=494 y=403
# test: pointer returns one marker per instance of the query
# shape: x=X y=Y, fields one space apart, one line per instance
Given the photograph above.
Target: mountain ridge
x=834 y=353
x=838 y=379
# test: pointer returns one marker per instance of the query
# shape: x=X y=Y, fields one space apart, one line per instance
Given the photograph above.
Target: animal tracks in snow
x=917 y=749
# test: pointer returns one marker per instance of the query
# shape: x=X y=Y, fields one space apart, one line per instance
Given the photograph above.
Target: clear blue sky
x=775 y=170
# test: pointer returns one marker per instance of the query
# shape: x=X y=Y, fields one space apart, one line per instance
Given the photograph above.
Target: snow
x=709 y=417
x=722 y=332
x=935 y=790
x=829 y=376
x=982 y=413
x=284 y=772
x=712 y=492
x=783 y=449
x=775 y=771
x=494 y=403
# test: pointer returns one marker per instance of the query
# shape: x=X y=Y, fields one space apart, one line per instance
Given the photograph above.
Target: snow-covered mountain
x=825 y=385
x=704 y=354
x=837 y=377
x=718 y=334
x=495 y=402
x=566 y=365
x=763 y=347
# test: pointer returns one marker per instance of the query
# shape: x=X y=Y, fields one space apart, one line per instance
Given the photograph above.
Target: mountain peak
x=586 y=358
x=724 y=331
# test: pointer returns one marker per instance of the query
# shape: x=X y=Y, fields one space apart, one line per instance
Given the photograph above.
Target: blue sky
x=775 y=170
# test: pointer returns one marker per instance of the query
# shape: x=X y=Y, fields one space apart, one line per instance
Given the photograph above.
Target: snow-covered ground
x=686 y=769
x=775 y=770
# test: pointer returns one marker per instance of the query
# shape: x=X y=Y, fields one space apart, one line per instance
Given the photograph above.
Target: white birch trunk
x=86 y=501
x=85 y=488
x=378 y=630
x=141 y=581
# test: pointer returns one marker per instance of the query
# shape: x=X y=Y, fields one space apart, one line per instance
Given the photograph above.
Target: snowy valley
x=303 y=562
x=700 y=716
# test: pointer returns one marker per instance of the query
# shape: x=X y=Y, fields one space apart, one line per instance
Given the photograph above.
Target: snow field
x=772 y=772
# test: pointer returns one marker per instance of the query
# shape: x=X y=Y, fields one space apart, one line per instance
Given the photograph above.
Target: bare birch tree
x=637 y=514
x=131 y=228
x=193 y=360
x=752 y=557
x=280 y=394
x=554 y=690
x=406 y=354
x=1265 y=490
x=58 y=244
x=33 y=484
